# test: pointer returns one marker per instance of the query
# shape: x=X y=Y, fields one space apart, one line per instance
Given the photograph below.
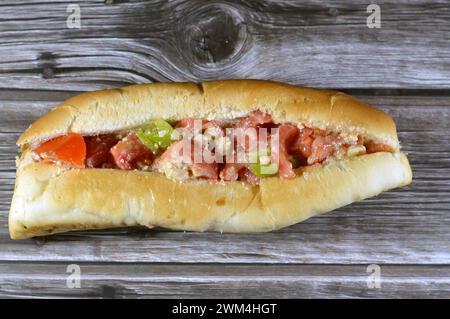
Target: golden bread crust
x=117 y=109
x=49 y=199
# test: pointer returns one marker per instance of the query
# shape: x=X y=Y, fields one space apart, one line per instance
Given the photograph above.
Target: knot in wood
x=47 y=64
x=212 y=35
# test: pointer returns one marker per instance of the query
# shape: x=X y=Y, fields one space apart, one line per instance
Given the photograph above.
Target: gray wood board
x=325 y=44
x=403 y=67
x=223 y=281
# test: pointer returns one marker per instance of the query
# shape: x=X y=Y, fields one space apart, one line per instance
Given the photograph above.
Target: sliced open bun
x=49 y=198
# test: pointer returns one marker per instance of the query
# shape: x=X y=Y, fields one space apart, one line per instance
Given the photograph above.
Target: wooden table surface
x=402 y=67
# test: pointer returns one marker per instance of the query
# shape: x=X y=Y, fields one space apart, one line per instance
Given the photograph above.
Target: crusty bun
x=111 y=110
x=49 y=198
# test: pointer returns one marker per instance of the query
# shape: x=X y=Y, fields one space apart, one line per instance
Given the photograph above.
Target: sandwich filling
x=245 y=149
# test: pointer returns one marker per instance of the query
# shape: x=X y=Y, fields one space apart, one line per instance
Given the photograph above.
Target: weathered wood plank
x=324 y=44
x=344 y=240
x=223 y=281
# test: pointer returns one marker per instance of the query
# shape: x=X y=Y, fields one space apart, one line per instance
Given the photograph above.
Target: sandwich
x=226 y=156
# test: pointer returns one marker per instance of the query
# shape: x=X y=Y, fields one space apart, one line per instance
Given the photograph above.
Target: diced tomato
x=302 y=145
x=246 y=132
x=246 y=139
x=360 y=140
x=205 y=170
x=212 y=127
x=98 y=150
x=253 y=119
x=130 y=153
x=320 y=150
x=171 y=153
x=323 y=147
x=69 y=149
x=287 y=133
x=247 y=175
x=188 y=123
x=230 y=172
x=372 y=147
x=175 y=154
x=319 y=132
x=285 y=166
x=178 y=152
x=307 y=131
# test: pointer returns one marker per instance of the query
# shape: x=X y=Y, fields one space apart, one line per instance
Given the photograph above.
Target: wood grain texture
x=325 y=44
x=403 y=68
x=223 y=281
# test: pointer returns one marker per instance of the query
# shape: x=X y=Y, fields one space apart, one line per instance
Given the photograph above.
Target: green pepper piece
x=262 y=170
x=157 y=136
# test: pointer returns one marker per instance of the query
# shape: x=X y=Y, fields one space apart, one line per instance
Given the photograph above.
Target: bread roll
x=50 y=198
